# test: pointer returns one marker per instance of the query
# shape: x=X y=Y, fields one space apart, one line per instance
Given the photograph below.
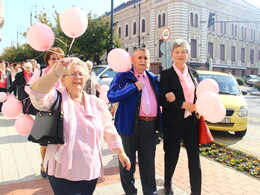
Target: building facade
x=231 y=44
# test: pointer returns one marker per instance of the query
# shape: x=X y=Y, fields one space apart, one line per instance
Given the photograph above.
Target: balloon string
x=38 y=56
x=61 y=42
x=71 y=46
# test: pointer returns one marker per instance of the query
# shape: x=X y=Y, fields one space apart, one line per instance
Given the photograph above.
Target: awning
x=229 y=66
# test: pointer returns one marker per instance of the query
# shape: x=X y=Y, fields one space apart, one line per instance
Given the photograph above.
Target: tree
x=90 y=46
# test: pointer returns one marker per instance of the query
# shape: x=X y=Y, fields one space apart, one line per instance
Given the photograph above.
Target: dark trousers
x=172 y=139
x=144 y=142
x=66 y=187
x=1 y=103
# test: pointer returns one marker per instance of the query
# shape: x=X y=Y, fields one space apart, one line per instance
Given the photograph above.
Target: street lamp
x=139 y=18
x=111 y=43
x=35 y=13
x=17 y=35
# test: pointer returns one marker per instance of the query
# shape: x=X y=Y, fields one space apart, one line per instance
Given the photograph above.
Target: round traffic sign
x=166 y=34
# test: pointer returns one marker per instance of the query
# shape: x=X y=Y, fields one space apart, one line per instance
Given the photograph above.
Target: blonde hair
x=180 y=43
x=78 y=62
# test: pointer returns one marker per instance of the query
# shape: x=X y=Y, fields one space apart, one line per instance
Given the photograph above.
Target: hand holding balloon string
x=62 y=66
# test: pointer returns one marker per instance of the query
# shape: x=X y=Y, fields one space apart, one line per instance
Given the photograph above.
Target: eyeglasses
x=54 y=59
x=80 y=75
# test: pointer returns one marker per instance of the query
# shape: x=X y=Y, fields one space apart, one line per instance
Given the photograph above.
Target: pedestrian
x=51 y=57
x=21 y=79
x=177 y=98
x=34 y=64
x=5 y=79
x=74 y=167
x=91 y=84
x=137 y=120
x=15 y=69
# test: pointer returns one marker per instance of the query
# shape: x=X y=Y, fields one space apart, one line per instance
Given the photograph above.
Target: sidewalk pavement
x=20 y=171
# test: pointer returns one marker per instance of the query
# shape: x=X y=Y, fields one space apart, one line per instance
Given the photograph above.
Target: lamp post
x=17 y=35
x=139 y=25
x=111 y=43
x=35 y=13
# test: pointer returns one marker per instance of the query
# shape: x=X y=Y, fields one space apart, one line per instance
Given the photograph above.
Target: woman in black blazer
x=21 y=79
x=177 y=98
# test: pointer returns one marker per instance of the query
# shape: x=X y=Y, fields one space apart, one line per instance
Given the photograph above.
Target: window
x=236 y=30
x=233 y=53
x=126 y=30
x=221 y=28
x=210 y=50
x=134 y=28
x=163 y=19
x=243 y=55
x=251 y=56
x=143 y=25
x=196 y=20
x=222 y=52
x=191 y=19
x=119 y=32
x=159 y=21
x=193 y=47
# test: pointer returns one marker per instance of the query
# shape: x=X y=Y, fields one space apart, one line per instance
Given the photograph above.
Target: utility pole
x=111 y=43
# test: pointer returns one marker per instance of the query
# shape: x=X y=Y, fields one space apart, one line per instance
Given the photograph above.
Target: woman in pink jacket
x=74 y=167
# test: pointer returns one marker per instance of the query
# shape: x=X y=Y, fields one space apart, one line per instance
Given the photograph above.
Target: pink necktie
x=145 y=100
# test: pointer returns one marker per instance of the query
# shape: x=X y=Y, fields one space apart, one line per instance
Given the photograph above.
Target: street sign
x=166 y=34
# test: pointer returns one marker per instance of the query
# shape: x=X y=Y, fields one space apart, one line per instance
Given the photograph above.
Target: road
x=250 y=142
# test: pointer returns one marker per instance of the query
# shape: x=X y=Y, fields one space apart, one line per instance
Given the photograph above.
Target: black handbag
x=48 y=126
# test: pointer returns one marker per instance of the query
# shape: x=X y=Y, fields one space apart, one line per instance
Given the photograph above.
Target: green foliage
x=233 y=158
x=240 y=81
x=90 y=46
x=257 y=86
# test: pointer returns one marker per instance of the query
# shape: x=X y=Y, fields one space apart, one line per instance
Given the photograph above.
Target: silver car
x=104 y=74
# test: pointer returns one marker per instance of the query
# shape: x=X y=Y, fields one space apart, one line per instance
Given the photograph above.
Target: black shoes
x=168 y=190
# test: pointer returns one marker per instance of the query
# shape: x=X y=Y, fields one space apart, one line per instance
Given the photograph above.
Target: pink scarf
x=187 y=86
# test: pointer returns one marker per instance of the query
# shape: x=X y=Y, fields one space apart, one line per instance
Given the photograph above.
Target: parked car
x=247 y=77
x=232 y=98
x=104 y=74
x=252 y=82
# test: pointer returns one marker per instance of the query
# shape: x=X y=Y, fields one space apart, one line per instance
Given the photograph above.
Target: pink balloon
x=207 y=103
x=23 y=124
x=207 y=85
x=11 y=96
x=119 y=60
x=12 y=108
x=73 y=22
x=103 y=89
x=217 y=116
x=3 y=96
x=103 y=96
x=40 y=37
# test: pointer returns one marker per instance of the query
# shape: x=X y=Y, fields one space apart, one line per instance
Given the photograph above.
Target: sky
x=17 y=14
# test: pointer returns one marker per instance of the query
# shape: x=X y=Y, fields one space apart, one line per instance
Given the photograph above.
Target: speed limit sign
x=166 y=34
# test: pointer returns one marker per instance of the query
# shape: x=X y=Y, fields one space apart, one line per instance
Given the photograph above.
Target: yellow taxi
x=232 y=98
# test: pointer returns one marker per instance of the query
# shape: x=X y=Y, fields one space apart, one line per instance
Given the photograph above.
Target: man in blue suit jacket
x=137 y=127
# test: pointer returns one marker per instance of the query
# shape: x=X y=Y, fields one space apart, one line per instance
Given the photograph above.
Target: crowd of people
x=145 y=108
